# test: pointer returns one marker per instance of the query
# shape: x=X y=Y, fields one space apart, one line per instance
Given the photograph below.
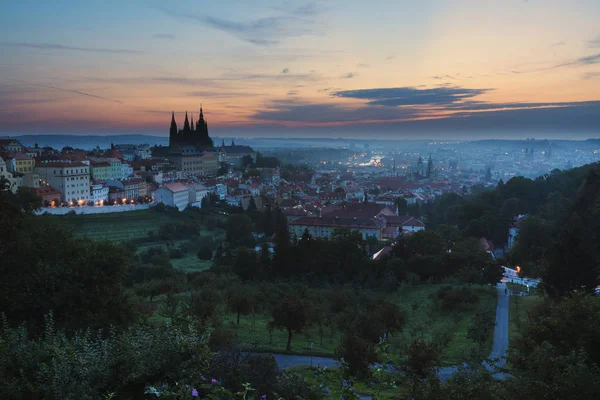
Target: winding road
x=499 y=346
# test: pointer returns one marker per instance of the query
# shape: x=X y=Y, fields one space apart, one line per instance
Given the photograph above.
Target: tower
x=420 y=168
x=429 y=167
x=186 y=124
x=173 y=130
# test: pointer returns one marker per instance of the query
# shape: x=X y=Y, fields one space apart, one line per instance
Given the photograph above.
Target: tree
x=204 y=253
x=247 y=160
x=479 y=331
x=401 y=205
x=240 y=300
x=170 y=306
x=290 y=314
x=251 y=205
x=421 y=362
x=246 y=265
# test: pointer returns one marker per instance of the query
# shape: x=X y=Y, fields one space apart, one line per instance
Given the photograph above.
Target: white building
x=71 y=179
x=196 y=193
x=173 y=194
x=4 y=173
x=127 y=170
x=221 y=190
x=99 y=193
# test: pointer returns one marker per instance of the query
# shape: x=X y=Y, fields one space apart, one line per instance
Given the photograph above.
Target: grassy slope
x=126 y=226
x=519 y=308
x=252 y=331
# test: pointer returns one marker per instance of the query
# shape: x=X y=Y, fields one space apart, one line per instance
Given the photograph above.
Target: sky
x=330 y=68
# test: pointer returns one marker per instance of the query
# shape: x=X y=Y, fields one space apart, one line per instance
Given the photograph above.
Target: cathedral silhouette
x=195 y=135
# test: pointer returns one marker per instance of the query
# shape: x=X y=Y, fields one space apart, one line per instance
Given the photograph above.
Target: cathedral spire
x=201 y=114
x=173 y=130
x=186 y=123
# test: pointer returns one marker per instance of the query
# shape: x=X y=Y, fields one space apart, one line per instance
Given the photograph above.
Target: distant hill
x=89 y=141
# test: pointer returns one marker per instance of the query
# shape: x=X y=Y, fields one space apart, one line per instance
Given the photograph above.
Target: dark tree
x=290 y=314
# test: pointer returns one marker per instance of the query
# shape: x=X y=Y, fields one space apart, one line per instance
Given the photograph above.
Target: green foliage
x=89 y=365
x=291 y=314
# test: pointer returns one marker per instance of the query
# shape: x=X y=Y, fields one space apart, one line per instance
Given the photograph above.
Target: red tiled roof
x=175 y=187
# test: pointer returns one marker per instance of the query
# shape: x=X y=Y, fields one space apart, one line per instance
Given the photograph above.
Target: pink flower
x=194 y=392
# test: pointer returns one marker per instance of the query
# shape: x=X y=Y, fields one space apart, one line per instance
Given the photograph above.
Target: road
x=499 y=346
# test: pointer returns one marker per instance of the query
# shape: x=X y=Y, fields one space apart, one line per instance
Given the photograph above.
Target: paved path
x=499 y=346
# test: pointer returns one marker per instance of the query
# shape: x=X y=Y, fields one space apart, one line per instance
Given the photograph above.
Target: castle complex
x=194 y=134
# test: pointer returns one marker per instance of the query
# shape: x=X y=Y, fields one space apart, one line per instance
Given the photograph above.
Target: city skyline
x=464 y=69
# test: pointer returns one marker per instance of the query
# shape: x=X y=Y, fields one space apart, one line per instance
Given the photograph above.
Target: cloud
x=556 y=44
x=587 y=60
x=591 y=75
x=520 y=117
x=292 y=92
x=362 y=65
x=285 y=70
x=297 y=111
x=166 y=36
x=390 y=57
x=78 y=92
x=265 y=31
x=349 y=75
x=440 y=77
x=61 y=47
x=220 y=94
x=594 y=42
x=410 y=96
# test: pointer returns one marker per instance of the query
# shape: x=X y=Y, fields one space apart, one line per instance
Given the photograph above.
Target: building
x=100 y=170
x=404 y=223
x=194 y=135
x=49 y=195
x=71 y=179
x=21 y=163
x=31 y=180
x=196 y=193
x=5 y=173
x=234 y=154
x=130 y=189
x=324 y=226
x=126 y=170
x=193 y=162
x=270 y=175
x=173 y=194
x=99 y=193
x=10 y=146
x=513 y=230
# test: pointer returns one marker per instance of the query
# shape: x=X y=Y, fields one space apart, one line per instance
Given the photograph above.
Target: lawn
x=518 y=311
x=125 y=226
x=421 y=318
x=516 y=287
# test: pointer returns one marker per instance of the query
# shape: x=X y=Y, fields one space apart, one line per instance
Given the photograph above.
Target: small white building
x=99 y=193
x=127 y=170
x=221 y=190
x=173 y=194
x=196 y=193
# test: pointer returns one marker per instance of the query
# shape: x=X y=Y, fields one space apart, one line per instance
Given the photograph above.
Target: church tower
x=173 y=130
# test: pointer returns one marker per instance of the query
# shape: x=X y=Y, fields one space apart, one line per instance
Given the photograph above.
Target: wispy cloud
x=219 y=94
x=292 y=92
x=594 y=42
x=557 y=44
x=266 y=31
x=62 y=47
x=285 y=70
x=388 y=58
x=591 y=75
x=441 y=77
x=410 y=96
x=362 y=65
x=79 y=92
x=349 y=75
x=587 y=60
x=166 y=36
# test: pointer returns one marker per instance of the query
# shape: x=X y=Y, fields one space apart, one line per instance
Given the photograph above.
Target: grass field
x=125 y=226
x=517 y=314
x=421 y=319
x=516 y=287
x=135 y=226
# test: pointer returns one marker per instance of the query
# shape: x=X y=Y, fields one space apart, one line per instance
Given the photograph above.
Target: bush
x=205 y=254
x=87 y=365
x=176 y=252
x=452 y=298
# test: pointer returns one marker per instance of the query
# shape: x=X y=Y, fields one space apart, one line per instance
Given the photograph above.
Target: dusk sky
x=391 y=69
